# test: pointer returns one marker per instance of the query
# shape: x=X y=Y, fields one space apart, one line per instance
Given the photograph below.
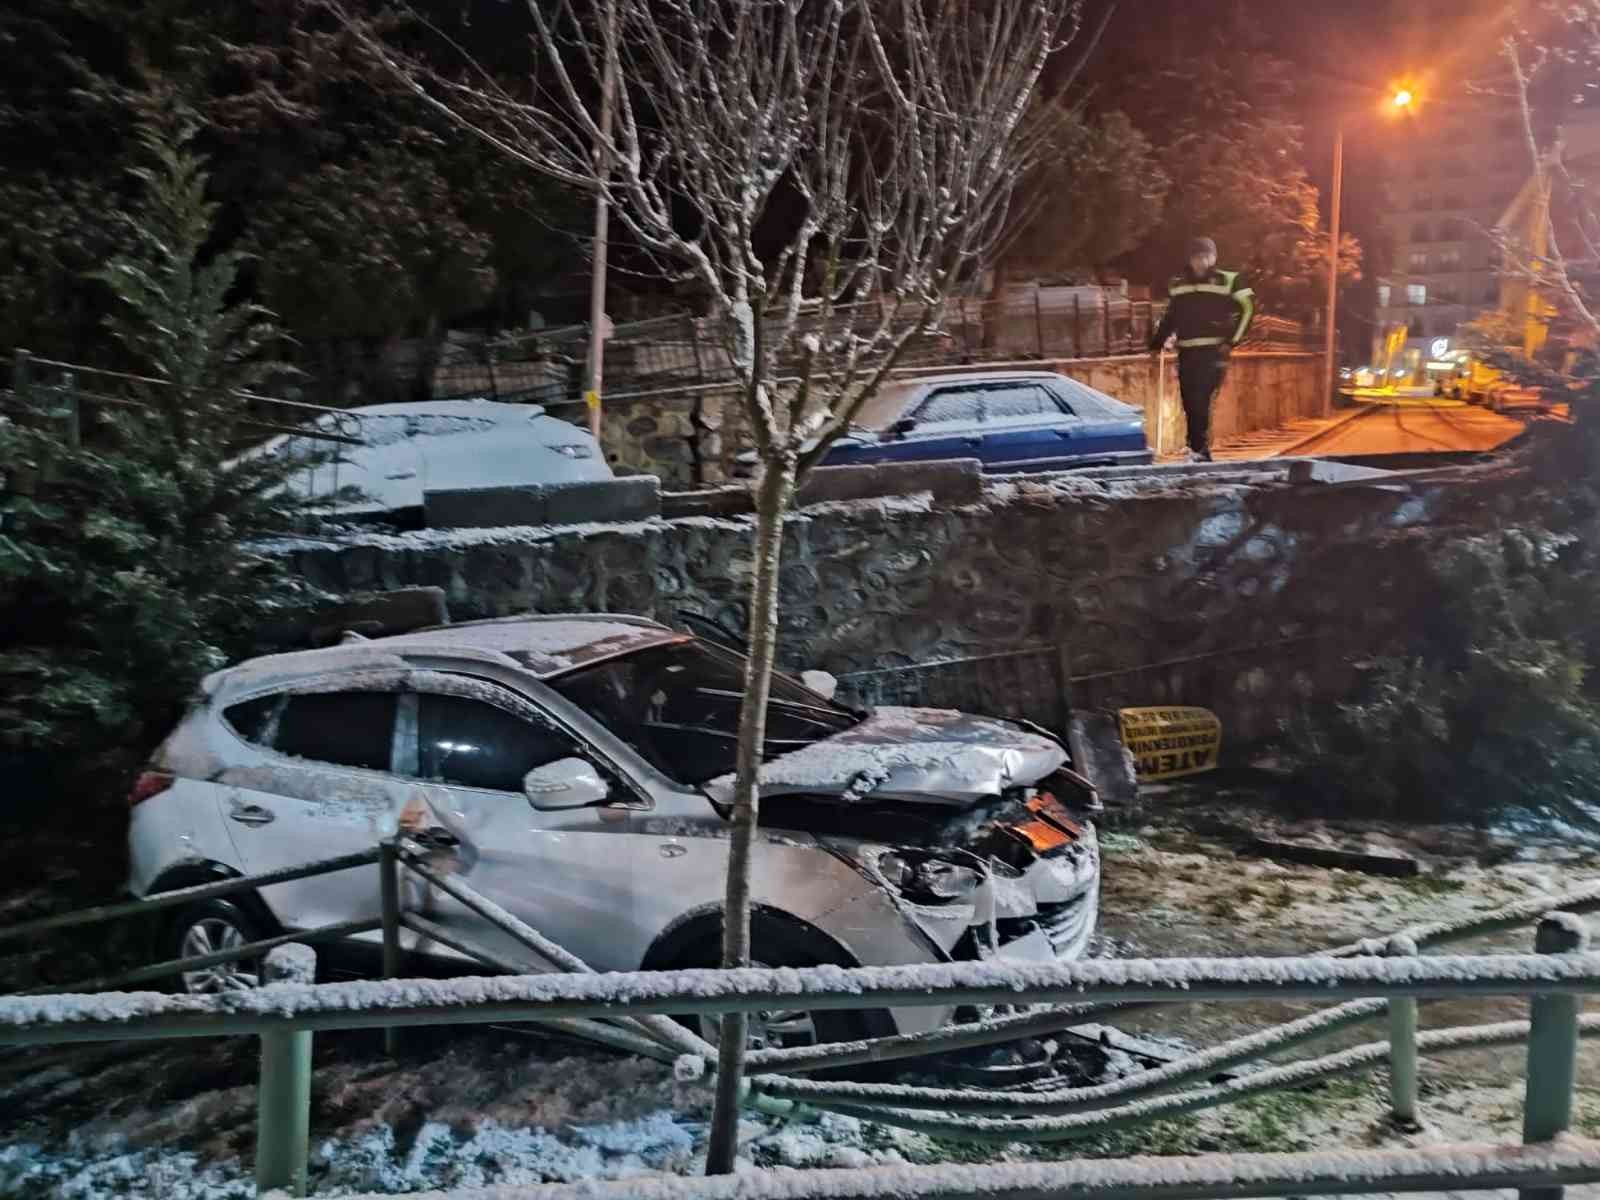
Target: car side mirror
x=563 y=784
x=900 y=428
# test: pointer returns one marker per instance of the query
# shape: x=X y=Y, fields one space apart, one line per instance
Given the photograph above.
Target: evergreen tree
x=125 y=564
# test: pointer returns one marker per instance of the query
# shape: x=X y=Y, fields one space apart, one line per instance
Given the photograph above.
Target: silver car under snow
x=578 y=770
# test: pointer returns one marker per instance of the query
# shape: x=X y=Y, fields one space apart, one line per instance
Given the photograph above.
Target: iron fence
x=1039 y=683
x=631 y=1013
x=683 y=351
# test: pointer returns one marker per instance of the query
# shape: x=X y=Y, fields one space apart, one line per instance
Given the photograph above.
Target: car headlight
x=929 y=880
x=574 y=451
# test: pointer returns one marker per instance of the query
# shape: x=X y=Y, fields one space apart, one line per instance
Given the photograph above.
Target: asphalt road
x=1415 y=429
x=1409 y=427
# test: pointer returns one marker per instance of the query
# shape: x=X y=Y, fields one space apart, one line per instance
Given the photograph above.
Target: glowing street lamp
x=1401 y=100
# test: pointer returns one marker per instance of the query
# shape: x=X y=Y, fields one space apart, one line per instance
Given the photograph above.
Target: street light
x=1401 y=100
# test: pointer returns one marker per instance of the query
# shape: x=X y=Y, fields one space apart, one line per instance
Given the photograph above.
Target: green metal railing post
x=283 y=1114
x=389 y=890
x=1552 y=1046
x=1402 y=1043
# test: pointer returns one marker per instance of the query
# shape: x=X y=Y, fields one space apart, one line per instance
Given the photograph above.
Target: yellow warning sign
x=592 y=399
x=1168 y=742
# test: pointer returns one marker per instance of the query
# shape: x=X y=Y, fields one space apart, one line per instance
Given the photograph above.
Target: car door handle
x=973 y=441
x=251 y=814
x=435 y=837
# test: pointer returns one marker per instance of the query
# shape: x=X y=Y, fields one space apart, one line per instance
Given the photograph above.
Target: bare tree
x=1556 y=251
x=829 y=172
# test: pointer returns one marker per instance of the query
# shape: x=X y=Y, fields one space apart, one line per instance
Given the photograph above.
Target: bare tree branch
x=830 y=172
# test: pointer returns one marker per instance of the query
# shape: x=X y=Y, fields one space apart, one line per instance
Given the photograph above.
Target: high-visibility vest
x=1212 y=311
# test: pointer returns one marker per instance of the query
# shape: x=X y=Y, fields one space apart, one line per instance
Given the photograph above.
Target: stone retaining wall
x=1242 y=592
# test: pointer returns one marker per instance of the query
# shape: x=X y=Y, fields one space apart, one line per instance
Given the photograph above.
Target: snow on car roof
x=547 y=646
x=447 y=408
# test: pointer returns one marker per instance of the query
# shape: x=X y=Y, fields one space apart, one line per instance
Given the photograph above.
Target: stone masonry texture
x=1243 y=592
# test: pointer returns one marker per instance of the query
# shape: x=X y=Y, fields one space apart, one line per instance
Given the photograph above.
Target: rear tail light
x=149 y=783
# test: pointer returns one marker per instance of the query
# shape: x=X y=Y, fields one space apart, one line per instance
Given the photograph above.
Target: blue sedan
x=1009 y=421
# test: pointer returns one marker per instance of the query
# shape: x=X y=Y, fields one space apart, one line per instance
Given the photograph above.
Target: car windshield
x=678 y=706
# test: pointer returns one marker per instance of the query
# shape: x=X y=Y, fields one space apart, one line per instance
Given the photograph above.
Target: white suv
x=577 y=770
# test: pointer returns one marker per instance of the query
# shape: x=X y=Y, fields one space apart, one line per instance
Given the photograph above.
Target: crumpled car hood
x=935 y=756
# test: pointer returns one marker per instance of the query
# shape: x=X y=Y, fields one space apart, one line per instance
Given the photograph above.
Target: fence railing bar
x=433 y=932
x=1510 y=916
x=25 y=1019
x=902 y=1046
x=895 y=1047
x=177 y=966
x=188 y=895
x=1272 y=1079
x=612 y=1035
x=663 y=1029
x=1203 y=1065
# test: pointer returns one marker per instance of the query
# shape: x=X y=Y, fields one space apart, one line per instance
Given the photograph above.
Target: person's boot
x=1203 y=456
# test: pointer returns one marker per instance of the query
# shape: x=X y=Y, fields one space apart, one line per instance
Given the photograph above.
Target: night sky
x=1346 y=54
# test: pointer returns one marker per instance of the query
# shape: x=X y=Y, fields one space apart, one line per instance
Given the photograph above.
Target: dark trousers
x=1200 y=373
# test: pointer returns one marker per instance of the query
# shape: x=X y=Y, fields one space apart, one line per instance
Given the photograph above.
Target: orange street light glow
x=1403 y=98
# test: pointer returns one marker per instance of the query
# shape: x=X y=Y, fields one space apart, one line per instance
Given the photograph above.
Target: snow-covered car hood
x=932 y=755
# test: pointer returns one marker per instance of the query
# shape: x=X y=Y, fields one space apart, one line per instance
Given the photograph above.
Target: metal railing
x=682 y=351
x=1040 y=683
x=631 y=1012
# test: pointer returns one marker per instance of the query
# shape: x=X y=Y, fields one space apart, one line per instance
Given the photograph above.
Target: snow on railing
x=1567 y=1160
x=1074 y=1125
x=473 y=1000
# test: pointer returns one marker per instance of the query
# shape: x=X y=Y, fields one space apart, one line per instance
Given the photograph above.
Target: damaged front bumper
x=1040 y=913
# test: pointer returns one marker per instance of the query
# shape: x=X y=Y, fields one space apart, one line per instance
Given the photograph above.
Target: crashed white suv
x=577 y=770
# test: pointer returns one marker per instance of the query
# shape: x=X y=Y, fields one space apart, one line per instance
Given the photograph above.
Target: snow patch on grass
x=29 y=1171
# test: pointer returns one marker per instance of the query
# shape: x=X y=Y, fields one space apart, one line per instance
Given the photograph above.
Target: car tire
x=781 y=946
x=203 y=928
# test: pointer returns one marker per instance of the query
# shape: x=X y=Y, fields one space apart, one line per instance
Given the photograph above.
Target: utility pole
x=594 y=375
x=1330 y=346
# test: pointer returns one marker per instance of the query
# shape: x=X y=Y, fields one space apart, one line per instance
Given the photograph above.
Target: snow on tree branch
x=828 y=172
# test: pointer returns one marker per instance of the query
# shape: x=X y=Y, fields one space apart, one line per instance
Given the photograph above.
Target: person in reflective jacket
x=1210 y=312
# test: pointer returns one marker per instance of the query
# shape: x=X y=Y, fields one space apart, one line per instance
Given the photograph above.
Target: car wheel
x=205 y=928
x=784 y=1028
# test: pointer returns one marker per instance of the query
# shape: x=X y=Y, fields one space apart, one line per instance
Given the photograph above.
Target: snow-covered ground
x=177 y=1120
x=484 y=1110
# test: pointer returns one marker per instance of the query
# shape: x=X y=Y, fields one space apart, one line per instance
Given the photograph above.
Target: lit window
x=1419 y=260
x=1416 y=293
x=1383 y=295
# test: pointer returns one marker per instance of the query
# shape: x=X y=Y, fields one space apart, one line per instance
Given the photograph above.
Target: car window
x=1018 y=400
x=950 y=407
x=473 y=744
x=255 y=720
x=348 y=729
